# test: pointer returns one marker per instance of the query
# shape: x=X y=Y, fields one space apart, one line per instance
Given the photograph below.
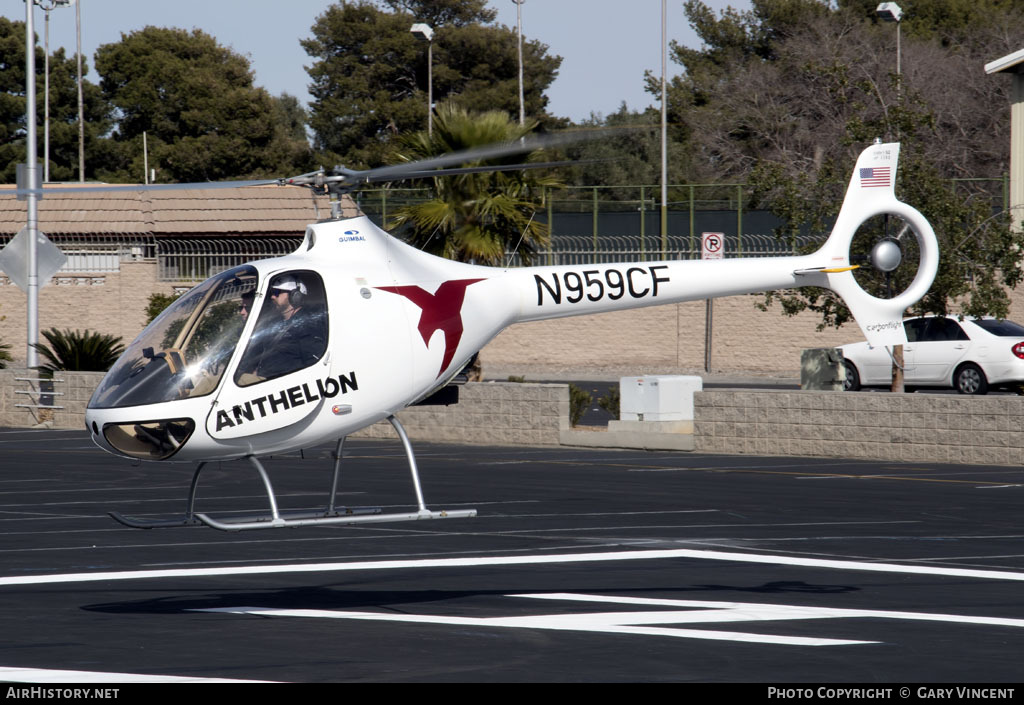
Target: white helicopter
x=287 y=353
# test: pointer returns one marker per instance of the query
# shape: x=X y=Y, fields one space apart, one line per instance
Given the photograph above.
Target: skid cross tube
x=277 y=519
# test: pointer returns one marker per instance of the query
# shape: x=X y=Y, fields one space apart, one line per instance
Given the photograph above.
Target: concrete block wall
x=941 y=428
x=501 y=413
x=78 y=388
x=75 y=389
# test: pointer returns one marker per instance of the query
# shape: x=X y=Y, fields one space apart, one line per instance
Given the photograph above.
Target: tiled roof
x=244 y=210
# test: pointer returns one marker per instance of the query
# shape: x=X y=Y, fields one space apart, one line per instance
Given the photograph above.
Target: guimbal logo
x=352 y=236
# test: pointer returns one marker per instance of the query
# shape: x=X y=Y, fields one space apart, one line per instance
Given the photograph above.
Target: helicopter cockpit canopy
x=185 y=351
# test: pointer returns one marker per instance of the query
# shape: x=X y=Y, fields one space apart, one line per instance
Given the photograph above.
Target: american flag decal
x=874 y=176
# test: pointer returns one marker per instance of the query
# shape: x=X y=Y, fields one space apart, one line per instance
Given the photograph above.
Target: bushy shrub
x=611 y=402
x=76 y=351
x=579 y=400
x=157 y=303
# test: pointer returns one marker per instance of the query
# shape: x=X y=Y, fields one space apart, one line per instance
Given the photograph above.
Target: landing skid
x=276 y=519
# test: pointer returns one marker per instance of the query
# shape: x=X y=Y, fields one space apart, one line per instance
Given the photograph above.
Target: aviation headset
x=295 y=287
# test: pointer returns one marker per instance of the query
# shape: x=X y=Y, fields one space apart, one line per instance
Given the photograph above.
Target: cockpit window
x=184 y=352
x=291 y=332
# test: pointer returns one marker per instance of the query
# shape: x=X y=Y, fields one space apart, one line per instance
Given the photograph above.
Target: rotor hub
x=886 y=255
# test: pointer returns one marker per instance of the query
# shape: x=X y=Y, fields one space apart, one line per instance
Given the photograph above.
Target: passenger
x=245 y=308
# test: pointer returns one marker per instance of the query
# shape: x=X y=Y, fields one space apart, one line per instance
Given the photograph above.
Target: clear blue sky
x=606 y=45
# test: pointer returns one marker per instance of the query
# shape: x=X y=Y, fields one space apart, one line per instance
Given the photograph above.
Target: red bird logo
x=441 y=310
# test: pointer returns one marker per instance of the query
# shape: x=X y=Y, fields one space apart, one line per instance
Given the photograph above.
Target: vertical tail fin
x=870 y=193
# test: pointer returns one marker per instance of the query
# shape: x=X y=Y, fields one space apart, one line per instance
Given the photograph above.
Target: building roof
x=1012 y=63
x=249 y=210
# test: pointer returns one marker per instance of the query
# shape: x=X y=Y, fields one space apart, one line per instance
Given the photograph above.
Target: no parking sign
x=712 y=245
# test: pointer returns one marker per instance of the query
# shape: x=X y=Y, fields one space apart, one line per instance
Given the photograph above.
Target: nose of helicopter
x=143 y=440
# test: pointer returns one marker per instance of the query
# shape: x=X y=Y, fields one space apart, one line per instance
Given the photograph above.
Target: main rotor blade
x=474 y=170
x=398 y=172
x=346 y=179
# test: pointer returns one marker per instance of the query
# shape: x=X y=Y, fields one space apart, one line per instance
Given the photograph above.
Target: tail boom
x=556 y=292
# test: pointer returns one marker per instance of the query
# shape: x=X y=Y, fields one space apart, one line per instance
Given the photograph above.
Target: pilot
x=299 y=337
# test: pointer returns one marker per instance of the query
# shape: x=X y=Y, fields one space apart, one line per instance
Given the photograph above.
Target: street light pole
x=891 y=12
x=519 y=34
x=424 y=31
x=664 y=131
x=31 y=183
x=46 y=94
x=48 y=7
x=81 y=106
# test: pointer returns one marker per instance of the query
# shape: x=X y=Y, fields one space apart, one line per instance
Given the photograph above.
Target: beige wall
x=665 y=339
x=670 y=339
x=113 y=303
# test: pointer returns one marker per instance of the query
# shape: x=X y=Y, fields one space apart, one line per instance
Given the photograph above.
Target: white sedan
x=970 y=355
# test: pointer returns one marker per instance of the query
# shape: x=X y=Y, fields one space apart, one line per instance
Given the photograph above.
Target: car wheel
x=969 y=379
x=852 y=383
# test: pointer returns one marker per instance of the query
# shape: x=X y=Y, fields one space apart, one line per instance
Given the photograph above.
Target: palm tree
x=75 y=351
x=475 y=217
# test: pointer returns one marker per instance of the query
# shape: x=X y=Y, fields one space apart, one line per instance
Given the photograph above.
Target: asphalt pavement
x=584 y=565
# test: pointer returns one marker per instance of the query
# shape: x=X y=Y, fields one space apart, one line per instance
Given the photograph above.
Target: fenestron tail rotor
x=866 y=263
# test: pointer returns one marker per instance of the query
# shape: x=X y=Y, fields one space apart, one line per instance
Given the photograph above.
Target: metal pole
x=430 y=88
x=693 y=246
x=426 y=32
x=31 y=167
x=739 y=219
x=664 y=130
x=519 y=30
x=709 y=316
x=898 y=385
x=46 y=99
x=643 y=229
x=81 y=105
x=551 y=226
x=899 y=69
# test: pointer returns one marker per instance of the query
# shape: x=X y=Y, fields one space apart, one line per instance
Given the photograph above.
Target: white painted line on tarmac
x=635 y=623
x=490 y=561
x=679 y=622
x=50 y=675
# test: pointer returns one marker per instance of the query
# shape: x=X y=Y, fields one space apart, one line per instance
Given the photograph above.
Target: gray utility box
x=658 y=398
